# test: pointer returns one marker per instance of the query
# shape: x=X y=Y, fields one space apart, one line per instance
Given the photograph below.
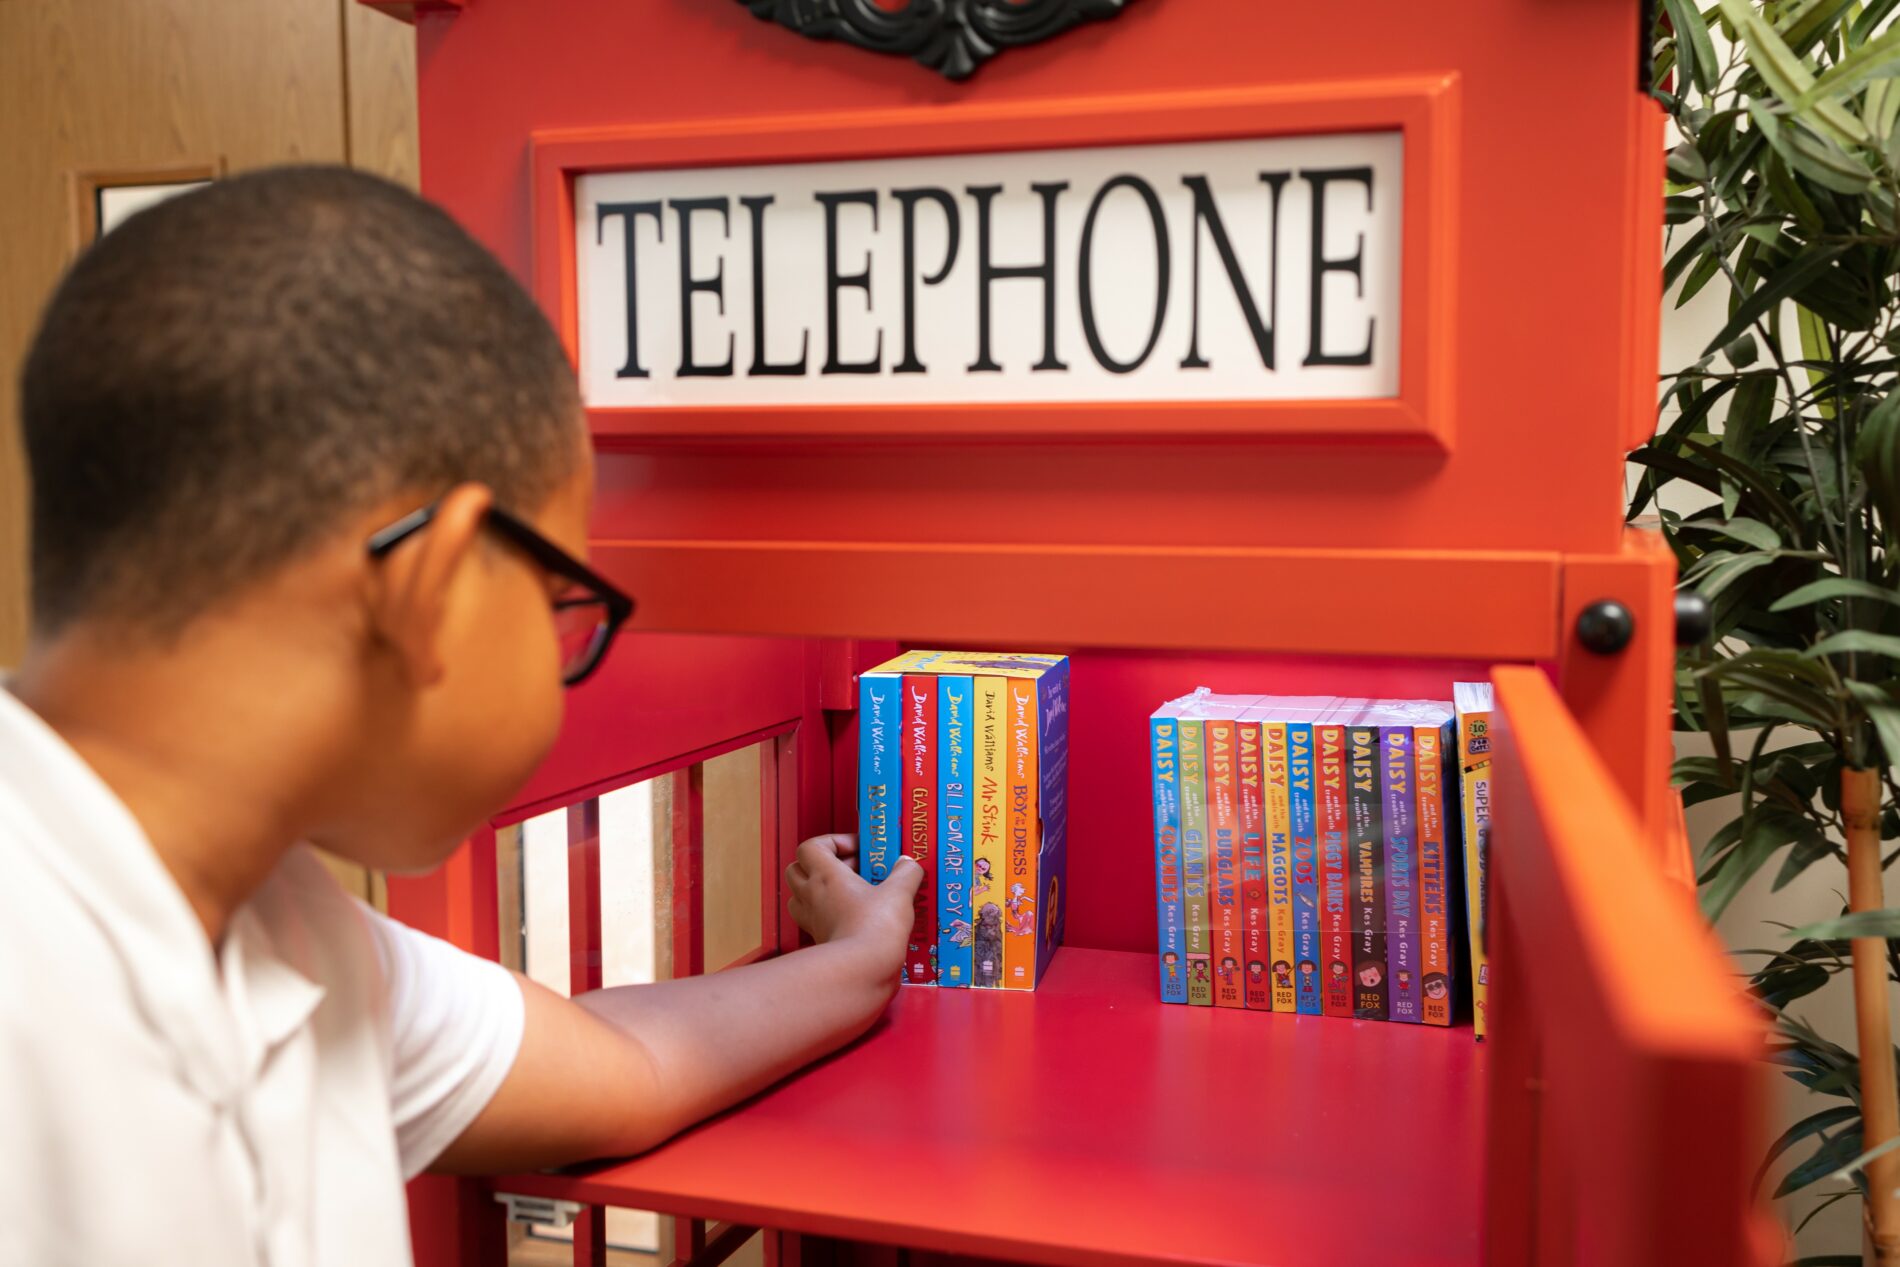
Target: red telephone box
x=863 y=348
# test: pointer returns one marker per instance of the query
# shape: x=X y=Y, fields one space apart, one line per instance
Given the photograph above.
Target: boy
x=309 y=478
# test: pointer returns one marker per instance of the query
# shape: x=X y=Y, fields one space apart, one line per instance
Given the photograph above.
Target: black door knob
x=1605 y=626
x=1693 y=620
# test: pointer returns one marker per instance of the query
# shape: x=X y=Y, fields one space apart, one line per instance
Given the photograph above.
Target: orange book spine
x=1023 y=844
x=1223 y=848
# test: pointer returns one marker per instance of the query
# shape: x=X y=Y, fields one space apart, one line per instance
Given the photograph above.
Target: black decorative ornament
x=952 y=37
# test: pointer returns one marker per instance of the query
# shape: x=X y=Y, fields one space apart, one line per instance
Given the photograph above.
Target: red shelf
x=1088 y=1122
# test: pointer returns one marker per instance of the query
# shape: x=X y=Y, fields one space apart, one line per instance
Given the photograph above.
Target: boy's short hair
x=220 y=381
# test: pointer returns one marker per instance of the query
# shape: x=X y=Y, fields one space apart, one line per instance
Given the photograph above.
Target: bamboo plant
x=1785 y=193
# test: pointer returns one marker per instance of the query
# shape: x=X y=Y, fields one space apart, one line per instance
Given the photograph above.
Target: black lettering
x=1319 y=179
x=988 y=272
x=909 y=198
x=690 y=285
x=1206 y=212
x=1084 y=273
x=630 y=212
x=757 y=205
x=836 y=281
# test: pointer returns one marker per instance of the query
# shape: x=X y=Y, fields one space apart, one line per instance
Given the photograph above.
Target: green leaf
x=1715 y=714
x=1686 y=166
x=1826 y=1260
x=1784 y=283
x=1869 y=21
x=1770 y=831
x=1834 y=587
x=1824 y=162
x=1748 y=531
x=1808 y=1126
x=1816 y=348
x=1690 y=250
x=1727 y=569
x=1810 y=23
x=1742 y=353
x=1770 y=696
x=1752 y=481
x=1877 y=454
x=1788 y=193
x=1878 y=1150
x=1806 y=852
x=1882 y=923
x=1694 y=51
x=1706 y=270
x=1883 y=713
x=1860 y=640
x=1782 y=69
x=1834 y=1153
x=1878 y=110
x=1877 y=59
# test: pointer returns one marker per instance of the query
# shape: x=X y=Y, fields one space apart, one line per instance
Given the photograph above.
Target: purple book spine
x=1402 y=946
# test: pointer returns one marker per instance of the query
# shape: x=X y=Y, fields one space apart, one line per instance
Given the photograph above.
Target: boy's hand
x=616 y=1071
x=832 y=902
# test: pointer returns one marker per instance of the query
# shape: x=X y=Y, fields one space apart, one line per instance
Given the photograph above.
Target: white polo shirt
x=261 y=1104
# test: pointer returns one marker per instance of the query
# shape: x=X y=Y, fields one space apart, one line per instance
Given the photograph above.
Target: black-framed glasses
x=587 y=614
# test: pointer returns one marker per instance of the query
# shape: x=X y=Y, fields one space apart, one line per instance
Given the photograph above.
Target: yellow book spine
x=1474 y=748
x=1279 y=865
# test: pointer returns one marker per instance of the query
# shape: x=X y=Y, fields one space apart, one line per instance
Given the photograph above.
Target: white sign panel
x=1221 y=270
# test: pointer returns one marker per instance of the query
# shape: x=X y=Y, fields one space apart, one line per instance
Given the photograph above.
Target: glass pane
x=732 y=844
x=628 y=924
x=545 y=955
x=117 y=202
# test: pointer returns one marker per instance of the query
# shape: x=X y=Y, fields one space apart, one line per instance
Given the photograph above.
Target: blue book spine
x=880 y=770
x=1164 y=752
x=1052 y=774
x=1402 y=945
x=956 y=697
x=1303 y=811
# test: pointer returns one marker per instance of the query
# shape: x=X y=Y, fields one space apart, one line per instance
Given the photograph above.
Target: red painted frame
x=1422 y=109
x=1611 y=991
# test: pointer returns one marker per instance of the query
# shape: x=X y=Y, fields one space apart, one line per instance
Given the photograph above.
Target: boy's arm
x=617 y=1071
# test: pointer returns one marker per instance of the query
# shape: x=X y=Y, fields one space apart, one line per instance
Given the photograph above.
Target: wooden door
x=1628 y=1087
x=662 y=707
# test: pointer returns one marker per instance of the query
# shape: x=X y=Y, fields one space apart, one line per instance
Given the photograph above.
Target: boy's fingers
x=818 y=849
x=906 y=875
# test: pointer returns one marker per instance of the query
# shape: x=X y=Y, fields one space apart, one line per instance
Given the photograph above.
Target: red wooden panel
x=1491 y=606
x=689 y=871
x=1104 y=1127
x=465 y=1226
x=1423 y=110
x=1630 y=1100
x=1538 y=438
x=658 y=698
x=459 y=901
x=590 y=1237
x=1623 y=701
x=583 y=897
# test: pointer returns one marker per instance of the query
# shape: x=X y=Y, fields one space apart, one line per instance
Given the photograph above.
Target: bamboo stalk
x=1879 y=1097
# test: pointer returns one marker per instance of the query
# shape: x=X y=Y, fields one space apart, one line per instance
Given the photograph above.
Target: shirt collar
x=83 y=833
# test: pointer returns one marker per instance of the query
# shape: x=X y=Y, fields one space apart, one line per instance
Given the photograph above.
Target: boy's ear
x=410 y=585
